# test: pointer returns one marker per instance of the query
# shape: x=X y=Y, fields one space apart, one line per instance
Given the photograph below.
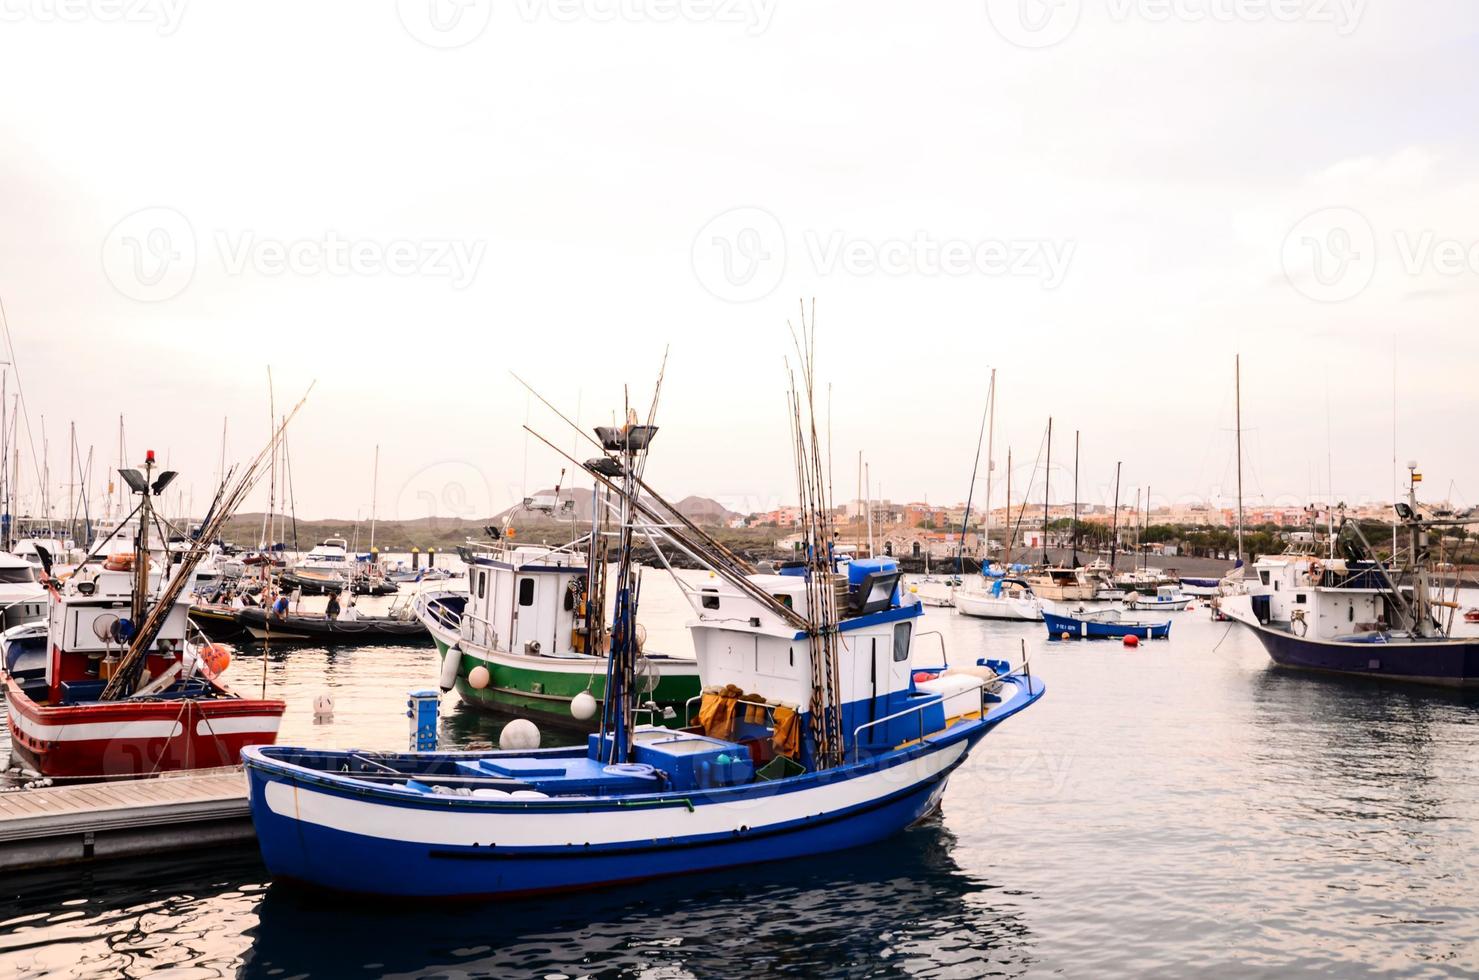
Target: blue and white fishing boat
x=1352 y=614
x=1103 y=625
x=814 y=733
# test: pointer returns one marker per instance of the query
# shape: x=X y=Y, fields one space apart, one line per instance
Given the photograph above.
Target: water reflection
x=901 y=908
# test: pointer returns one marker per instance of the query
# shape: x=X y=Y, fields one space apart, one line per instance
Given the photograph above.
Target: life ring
x=120 y=562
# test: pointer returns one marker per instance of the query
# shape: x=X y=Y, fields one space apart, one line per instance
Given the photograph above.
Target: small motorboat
x=1106 y=625
x=264 y=624
x=1166 y=599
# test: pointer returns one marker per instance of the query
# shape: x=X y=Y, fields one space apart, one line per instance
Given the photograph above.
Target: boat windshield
x=17 y=576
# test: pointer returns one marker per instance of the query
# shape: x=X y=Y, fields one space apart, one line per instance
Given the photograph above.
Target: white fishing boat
x=328 y=567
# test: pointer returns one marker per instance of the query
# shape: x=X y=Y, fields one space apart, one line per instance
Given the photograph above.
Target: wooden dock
x=92 y=821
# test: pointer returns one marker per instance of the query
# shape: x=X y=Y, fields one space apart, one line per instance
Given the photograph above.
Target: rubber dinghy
x=263 y=625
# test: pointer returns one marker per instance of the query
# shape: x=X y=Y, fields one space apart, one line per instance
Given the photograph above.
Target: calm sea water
x=1180 y=808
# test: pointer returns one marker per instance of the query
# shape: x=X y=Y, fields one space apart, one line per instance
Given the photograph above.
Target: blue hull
x=338 y=860
x=1089 y=630
x=1450 y=663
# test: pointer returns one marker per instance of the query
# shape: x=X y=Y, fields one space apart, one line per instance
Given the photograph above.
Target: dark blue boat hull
x=1084 y=629
x=1450 y=663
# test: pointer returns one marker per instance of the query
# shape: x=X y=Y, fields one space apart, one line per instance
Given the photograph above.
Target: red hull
x=138 y=738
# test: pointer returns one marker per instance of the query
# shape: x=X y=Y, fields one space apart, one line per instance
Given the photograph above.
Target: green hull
x=546 y=694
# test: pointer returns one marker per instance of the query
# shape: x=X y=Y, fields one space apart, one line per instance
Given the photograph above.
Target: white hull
x=984 y=606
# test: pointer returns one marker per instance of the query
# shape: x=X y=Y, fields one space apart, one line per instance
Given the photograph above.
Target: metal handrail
x=937 y=699
x=442 y=616
x=688 y=707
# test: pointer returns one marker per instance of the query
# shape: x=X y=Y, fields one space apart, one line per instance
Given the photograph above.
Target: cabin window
x=1300 y=598
x=1350 y=614
x=901 y=641
x=1276 y=586
x=526 y=592
x=482 y=584
x=783 y=598
x=710 y=599
x=1263 y=575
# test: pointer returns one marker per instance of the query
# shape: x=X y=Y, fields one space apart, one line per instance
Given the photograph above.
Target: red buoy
x=1131 y=640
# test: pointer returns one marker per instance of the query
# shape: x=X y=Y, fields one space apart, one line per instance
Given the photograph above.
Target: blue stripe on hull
x=1452 y=663
x=352 y=863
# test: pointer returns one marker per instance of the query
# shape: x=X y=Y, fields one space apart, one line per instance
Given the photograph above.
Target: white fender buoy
x=451 y=660
x=479 y=677
x=323 y=707
x=583 y=706
x=521 y=734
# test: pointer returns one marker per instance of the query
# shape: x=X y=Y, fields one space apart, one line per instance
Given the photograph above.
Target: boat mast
x=1238 y=408
x=868 y=503
x=965 y=520
x=375 y=489
x=1047 y=482
x=1114 y=521
x=990 y=468
x=1145 y=524
x=1011 y=528
x=1073 y=528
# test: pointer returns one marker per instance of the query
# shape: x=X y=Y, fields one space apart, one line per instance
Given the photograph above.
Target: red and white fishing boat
x=112 y=685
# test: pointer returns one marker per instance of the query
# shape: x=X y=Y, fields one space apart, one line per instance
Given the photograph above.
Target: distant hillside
x=446 y=533
x=574 y=504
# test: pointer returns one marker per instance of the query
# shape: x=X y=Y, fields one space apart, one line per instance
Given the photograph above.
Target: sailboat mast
x=868 y=503
x=1238 y=403
x=1073 y=529
x=1114 y=521
x=1145 y=524
x=374 y=492
x=1011 y=528
x=1047 y=482
x=990 y=467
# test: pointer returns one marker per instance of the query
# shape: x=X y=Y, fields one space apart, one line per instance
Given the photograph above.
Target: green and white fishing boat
x=524 y=638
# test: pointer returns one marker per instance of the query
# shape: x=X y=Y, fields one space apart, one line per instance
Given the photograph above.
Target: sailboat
x=996 y=597
x=814 y=733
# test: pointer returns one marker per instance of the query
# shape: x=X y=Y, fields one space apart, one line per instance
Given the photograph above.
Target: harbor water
x=1176 y=808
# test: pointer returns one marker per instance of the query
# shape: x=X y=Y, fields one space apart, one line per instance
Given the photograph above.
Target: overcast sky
x=1105 y=201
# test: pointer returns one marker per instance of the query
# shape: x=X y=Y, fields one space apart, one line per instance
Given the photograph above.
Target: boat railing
x=465 y=623
x=944 y=657
x=917 y=709
x=688 y=707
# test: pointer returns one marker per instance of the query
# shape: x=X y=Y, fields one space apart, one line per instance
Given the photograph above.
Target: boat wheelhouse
x=22 y=596
x=522 y=619
x=1062 y=585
